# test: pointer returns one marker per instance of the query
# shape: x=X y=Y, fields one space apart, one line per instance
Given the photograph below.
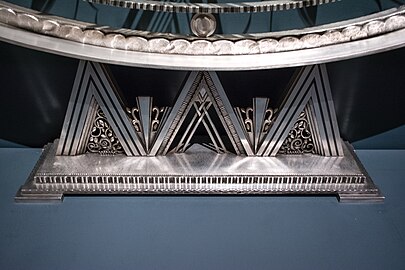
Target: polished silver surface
x=193 y=7
x=203 y=24
x=201 y=91
x=198 y=171
x=146 y=130
x=93 y=88
x=96 y=152
x=352 y=38
x=309 y=92
x=147 y=120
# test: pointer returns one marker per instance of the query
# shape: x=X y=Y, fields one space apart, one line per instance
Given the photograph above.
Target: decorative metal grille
x=300 y=138
x=102 y=138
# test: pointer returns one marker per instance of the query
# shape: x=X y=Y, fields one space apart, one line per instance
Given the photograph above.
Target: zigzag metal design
x=201 y=107
x=251 y=131
x=311 y=86
x=195 y=82
x=94 y=86
x=147 y=130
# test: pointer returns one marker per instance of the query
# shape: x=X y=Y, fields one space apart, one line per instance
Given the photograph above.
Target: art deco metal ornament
x=107 y=148
x=340 y=40
x=294 y=147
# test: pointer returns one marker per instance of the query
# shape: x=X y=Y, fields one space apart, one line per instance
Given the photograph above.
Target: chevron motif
x=93 y=87
x=307 y=110
x=310 y=87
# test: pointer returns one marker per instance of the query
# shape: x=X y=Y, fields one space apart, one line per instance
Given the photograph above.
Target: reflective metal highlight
x=147 y=130
x=93 y=86
x=310 y=88
x=200 y=171
x=151 y=150
x=232 y=7
x=362 y=36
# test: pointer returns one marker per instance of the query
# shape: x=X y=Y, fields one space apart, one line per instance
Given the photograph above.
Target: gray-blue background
x=202 y=232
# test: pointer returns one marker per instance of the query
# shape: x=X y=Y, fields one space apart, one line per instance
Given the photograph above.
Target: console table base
x=198 y=171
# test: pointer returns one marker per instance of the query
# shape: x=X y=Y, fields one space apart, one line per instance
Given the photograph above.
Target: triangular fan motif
x=147 y=120
x=102 y=138
x=199 y=116
x=256 y=121
x=93 y=88
x=310 y=89
x=203 y=98
x=201 y=105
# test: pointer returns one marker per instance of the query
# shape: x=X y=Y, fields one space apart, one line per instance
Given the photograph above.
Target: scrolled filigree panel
x=102 y=138
x=300 y=138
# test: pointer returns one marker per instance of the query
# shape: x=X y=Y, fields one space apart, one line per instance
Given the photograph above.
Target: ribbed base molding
x=198 y=171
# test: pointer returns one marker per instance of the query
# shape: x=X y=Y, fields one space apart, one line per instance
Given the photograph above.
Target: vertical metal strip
x=314 y=127
x=145 y=111
x=331 y=111
x=227 y=115
x=259 y=111
x=84 y=138
x=78 y=121
x=320 y=122
x=78 y=108
x=77 y=85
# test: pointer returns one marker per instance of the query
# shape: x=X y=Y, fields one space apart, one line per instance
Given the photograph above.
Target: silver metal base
x=198 y=171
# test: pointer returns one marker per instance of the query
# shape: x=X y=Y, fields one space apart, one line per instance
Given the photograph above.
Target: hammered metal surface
x=169 y=44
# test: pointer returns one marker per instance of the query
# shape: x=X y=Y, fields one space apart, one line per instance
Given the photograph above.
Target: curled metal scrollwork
x=248 y=118
x=134 y=114
x=300 y=139
x=156 y=115
x=102 y=138
x=268 y=119
x=146 y=120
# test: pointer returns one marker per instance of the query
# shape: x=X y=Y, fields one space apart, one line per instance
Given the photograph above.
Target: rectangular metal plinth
x=198 y=171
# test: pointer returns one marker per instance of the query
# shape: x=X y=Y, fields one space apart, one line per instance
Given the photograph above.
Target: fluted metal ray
x=92 y=81
x=311 y=83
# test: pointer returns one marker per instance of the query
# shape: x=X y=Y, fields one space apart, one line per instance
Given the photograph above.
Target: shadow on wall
x=368 y=92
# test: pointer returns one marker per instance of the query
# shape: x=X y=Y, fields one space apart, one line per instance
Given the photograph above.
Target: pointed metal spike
x=259 y=112
x=145 y=111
